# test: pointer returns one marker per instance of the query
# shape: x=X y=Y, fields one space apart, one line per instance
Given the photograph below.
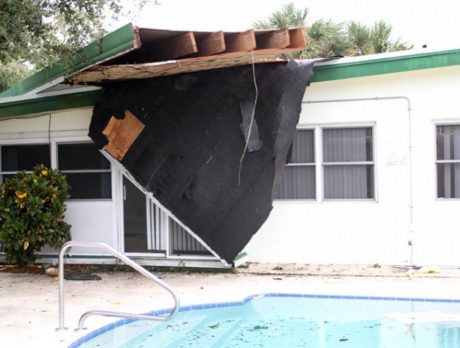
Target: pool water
x=282 y=320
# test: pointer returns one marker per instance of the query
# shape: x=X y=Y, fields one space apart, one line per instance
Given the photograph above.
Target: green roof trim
x=339 y=71
x=46 y=104
x=326 y=72
x=118 y=41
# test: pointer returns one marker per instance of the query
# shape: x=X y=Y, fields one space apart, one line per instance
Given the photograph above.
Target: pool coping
x=165 y=311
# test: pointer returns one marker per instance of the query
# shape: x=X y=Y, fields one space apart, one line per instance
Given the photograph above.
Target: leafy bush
x=32 y=210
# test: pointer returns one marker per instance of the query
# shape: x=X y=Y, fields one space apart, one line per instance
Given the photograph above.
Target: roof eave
x=110 y=46
x=39 y=105
x=385 y=65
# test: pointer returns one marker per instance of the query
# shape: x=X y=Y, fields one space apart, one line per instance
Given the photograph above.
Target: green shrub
x=32 y=210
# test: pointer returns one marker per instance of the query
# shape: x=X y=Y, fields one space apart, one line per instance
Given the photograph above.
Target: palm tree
x=288 y=17
x=327 y=38
x=381 y=39
x=359 y=39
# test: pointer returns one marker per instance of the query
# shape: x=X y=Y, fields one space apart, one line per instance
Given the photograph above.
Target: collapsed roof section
x=166 y=52
x=182 y=128
x=210 y=146
x=128 y=47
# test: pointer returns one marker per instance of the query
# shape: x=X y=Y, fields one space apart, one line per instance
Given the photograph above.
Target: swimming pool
x=294 y=320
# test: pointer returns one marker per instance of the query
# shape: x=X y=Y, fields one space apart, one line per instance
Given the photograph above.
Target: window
x=348 y=163
x=86 y=169
x=298 y=181
x=22 y=157
x=448 y=161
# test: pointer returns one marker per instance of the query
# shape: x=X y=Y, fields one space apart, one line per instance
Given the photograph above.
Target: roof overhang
x=131 y=52
x=167 y=52
x=109 y=47
x=121 y=51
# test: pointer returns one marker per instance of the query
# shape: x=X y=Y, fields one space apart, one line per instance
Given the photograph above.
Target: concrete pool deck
x=29 y=302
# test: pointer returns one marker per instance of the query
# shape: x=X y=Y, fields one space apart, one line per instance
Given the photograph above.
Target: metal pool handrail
x=127 y=261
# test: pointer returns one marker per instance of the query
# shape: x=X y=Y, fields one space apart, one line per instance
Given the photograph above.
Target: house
x=373 y=176
x=375 y=173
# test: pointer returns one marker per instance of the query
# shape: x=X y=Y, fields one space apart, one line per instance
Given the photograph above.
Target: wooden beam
x=210 y=43
x=121 y=134
x=175 y=47
x=244 y=41
x=103 y=73
x=298 y=38
x=273 y=39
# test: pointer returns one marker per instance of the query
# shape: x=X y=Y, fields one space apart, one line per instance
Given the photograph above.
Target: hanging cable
x=252 y=117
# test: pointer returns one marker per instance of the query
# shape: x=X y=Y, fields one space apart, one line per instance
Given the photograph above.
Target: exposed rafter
x=165 y=52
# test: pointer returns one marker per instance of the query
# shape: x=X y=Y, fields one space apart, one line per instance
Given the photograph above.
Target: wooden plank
x=243 y=41
x=210 y=43
x=147 y=70
x=175 y=47
x=121 y=134
x=273 y=39
x=298 y=38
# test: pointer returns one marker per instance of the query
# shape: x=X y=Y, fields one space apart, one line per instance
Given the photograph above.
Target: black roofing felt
x=188 y=155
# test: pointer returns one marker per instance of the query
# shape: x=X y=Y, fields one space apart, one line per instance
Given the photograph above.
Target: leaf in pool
x=260 y=327
x=215 y=326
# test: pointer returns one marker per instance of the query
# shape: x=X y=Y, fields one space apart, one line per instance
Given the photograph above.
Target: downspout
x=409 y=120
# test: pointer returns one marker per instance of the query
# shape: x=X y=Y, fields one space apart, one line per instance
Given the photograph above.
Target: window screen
x=348 y=163
x=298 y=181
x=24 y=157
x=448 y=161
x=86 y=169
x=15 y=158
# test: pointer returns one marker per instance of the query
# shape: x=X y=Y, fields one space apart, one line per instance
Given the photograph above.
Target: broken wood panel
x=273 y=39
x=298 y=38
x=121 y=134
x=175 y=47
x=148 y=70
x=244 y=41
x=210 y=43
x=188 y=155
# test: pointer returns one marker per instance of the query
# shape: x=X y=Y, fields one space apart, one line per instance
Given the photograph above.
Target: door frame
x=118 y=173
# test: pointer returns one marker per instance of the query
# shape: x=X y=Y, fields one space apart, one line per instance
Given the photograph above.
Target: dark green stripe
x=386 y=65
x=321 y=73
x=46 y=104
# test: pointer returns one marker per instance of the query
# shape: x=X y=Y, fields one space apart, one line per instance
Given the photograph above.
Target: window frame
x=313 y=164
x=319 y=164
x=82 y=171
x=25 y=143
x=58 y=137
x=372 y=163
x=454 y=123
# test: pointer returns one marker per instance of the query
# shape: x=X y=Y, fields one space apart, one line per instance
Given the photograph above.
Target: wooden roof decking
x=165 y=52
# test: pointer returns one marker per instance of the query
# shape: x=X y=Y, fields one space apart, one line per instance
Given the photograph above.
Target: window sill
x=294 y=201
x=90 y=200
x=350 y=200
x=304 y=201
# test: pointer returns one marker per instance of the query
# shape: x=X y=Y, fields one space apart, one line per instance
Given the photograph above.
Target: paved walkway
x=29 y=303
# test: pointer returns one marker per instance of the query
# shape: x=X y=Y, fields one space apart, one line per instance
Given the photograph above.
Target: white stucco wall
x=91 y=220
x=364 y=232
x=377 y=231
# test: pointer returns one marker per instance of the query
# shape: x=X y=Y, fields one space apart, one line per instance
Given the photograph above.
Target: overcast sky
x=435 y=23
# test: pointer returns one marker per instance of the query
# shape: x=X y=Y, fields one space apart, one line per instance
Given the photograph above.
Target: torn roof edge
x=117 y=43
x=120 y=41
